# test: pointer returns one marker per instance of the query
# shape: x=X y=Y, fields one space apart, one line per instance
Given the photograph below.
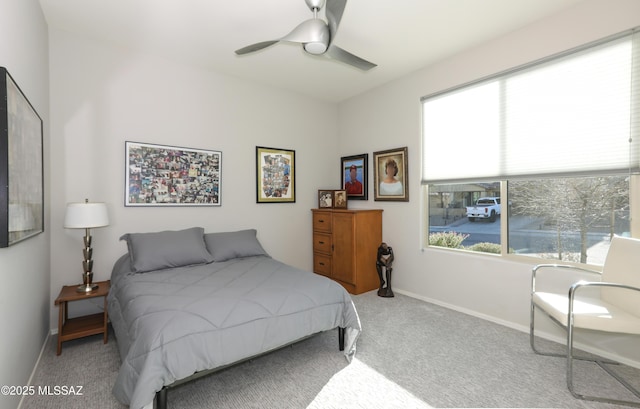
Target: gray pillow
x=166 y=249
x=227 y=245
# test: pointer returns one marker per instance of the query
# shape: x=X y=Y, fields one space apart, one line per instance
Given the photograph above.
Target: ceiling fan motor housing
x=319 y=37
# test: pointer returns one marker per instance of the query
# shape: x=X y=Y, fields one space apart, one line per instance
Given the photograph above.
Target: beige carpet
x=411 y=355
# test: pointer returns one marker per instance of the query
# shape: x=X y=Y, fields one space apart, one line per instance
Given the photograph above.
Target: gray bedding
x=174 y=322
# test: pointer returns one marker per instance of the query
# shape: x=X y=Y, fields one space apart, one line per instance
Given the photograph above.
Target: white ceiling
x=400 y=36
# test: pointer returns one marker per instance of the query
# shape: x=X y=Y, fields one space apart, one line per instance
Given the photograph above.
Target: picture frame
x=340 y=199
x=354 y=176
x=21 y=165
x=164 y=175
x=325 y=199
x=275 y=175
x=332 y=199
x=391 y=187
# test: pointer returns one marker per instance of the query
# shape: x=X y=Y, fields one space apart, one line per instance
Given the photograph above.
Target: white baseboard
x=35 y=367
x=524 y=328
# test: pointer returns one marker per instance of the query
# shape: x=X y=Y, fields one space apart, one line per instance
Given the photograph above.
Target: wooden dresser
x=345 y=246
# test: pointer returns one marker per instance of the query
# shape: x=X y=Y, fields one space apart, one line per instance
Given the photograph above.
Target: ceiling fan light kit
x=317 y=48
x=316 y=35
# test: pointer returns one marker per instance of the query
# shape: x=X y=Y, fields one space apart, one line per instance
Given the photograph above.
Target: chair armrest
x=535 y=269
x=580 y=284
x=573 y=290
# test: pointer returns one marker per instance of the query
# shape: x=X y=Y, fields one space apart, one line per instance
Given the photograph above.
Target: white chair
x=610 y=304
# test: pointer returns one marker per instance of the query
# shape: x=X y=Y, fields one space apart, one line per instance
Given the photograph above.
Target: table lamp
x=86 y=216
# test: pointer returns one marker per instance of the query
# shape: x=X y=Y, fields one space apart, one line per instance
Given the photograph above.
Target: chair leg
x=532 y=335
x=570 y=357
x=601 y=364
x=570 y=361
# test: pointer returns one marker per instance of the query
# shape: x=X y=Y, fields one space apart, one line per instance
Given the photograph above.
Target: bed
x=185 y=303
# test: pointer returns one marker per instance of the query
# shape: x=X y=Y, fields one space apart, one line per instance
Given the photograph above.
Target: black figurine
x=385 y=259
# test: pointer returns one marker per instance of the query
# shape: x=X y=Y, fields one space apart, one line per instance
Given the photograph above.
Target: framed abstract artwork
x=391 y=176
x=21 y=165
x=275 y=175
x=161 y=175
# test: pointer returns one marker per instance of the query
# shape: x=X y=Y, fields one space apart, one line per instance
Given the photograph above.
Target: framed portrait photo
x=339 y=199
x=354 y=173
x=161 y=175
x=325 y=199
x=391 y=176
x=275 y=175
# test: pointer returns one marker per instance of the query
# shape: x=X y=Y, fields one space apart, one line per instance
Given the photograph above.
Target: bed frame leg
x=161 y=399
x=341 y=338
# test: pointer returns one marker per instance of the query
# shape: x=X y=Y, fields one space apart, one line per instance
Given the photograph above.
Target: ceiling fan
x=316 y=36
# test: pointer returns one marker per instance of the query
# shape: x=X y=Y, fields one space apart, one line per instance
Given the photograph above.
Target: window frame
x=634 y=225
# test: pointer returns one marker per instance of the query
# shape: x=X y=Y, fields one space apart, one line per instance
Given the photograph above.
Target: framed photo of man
x=391 y=176
x=354 y=173
x=340 y=199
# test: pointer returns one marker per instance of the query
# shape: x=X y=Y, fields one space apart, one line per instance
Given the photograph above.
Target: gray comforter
x=172 y=323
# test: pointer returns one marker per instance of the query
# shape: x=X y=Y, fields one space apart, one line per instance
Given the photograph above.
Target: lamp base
x=87 y=288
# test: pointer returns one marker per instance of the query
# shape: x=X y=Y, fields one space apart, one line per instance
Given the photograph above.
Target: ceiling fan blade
x=346 y=57
x=334 y=11
x=255 y=47
x=309 y=31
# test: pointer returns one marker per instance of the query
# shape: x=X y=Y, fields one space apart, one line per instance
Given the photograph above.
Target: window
x=553 y=146
x=577 y=228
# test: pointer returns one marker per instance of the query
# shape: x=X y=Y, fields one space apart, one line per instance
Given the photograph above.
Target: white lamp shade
x=86 y=215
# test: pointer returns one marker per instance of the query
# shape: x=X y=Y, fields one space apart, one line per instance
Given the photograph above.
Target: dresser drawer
x=322 y=222
x=322 y=243
x=322 y=264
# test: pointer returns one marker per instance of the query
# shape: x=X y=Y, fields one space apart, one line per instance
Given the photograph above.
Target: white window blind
x=575 y=114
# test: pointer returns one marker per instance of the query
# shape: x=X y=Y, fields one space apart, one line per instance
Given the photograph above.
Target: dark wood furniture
x=345 y=245
x=78 y=327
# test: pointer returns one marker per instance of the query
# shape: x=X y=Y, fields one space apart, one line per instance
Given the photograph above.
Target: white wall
x=390 y=117
x=24 y=267
x=105 y=96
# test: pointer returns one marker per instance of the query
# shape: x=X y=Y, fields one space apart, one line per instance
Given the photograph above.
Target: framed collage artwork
x=161 y=175
x=275 y=175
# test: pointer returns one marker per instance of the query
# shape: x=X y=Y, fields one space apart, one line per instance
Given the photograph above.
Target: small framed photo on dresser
x=340 y=199
x=325 y=199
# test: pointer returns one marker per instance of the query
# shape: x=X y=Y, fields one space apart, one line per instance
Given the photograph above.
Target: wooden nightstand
x=73 y=328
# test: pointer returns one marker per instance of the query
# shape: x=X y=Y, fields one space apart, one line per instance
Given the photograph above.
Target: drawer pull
x=322 y=264
x=321 y=221
x=321 y=242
